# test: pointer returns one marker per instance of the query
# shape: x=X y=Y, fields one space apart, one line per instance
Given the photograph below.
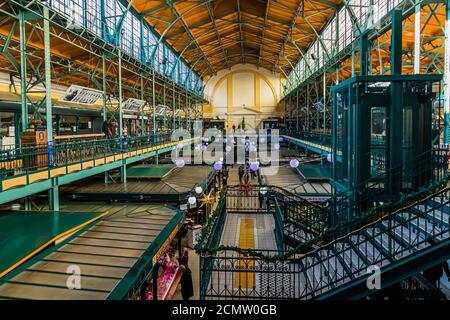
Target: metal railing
x=25 y=160
x=347 y=210
x=411 y=232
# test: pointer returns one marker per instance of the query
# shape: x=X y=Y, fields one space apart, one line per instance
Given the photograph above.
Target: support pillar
x=104 y=108
x=120 y=100
x=123 y=173
x=23 y=70
x=142 y=113
x=48 y=84
x=53 y=197
x=364 y=49
x=417 y=37
x=173 y=106
x=447 y=75
x=395 y=150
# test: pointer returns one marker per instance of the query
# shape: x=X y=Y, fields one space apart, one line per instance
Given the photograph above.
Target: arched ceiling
x=213 y=35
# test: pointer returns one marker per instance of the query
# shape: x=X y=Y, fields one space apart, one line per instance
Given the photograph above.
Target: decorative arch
x=228 y=77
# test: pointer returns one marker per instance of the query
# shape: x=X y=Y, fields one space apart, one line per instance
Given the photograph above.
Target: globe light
x=221 y=159
x=330 y=157
x=294 y=163
x=218 y=165
x=198 y=190
x=254 y=166
x=180 y=163
x=277 y=146
x=228 y=148
x=206 y=139
x=192 y=200
x=203 y=147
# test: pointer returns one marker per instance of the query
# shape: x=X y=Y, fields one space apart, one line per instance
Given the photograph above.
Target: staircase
x=331 y=250
x=401 y=244
x=400 y=238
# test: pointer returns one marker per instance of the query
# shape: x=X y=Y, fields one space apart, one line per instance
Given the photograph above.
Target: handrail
x=348 y=207
x=410 y=230
x=43 y=161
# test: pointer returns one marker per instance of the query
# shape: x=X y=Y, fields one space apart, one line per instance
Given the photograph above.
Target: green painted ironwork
x=417 y=231
x=25 y=161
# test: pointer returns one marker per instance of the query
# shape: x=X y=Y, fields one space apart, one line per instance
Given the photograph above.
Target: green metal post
x=104 y=109
x=23 y=71
x=353 y=62
x=142 y=112
x=297 y=122
x=173 y=106
x=395 y=150
x=154 y=113
x=154 y=103
x=447 y=76
x=53 y=195
x=123 y=173
x=48 y=83
x=179 y=106
x=17 y=130
x=120 y=96
x=364 y=48
x=58 y=125
x=77 y=124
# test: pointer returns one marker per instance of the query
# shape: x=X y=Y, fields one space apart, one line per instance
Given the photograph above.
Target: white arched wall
x=243 y=92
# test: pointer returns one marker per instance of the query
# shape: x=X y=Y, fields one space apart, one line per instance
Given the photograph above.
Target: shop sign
x=165 y=244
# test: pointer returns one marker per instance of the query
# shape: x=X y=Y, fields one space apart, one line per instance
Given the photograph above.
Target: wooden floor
x=23 y=234
x=180 y=180
x=104 y=254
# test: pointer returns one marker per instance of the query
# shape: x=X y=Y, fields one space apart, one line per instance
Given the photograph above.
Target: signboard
x=134 y=105
x=165 y=244
x=82 y=95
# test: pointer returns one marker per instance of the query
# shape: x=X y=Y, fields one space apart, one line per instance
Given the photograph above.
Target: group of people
x=246 y=174
x=109 y=128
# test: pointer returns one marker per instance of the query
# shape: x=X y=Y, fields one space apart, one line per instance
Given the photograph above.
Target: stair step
x=368 y=250
x=435 y=213
x=385 y=241
x=409 y=235
x=426 y=226
x=336 y=271
x=317 y=275
x=351 y=258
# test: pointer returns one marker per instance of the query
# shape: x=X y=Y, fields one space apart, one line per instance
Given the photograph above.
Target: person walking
x=187 y=286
